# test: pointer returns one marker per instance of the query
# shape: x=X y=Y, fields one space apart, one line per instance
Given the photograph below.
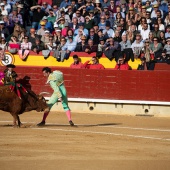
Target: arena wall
x=106 y=91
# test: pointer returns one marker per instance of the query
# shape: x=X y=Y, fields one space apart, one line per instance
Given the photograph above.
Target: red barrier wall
x=104 y=84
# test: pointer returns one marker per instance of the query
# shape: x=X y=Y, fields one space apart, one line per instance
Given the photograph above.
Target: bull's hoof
x=71 y=123
x=15 y=126
x=22 y=126
x=41 y=123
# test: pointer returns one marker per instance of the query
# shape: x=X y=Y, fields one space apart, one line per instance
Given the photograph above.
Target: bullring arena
x=99 y=141
x=129 y=131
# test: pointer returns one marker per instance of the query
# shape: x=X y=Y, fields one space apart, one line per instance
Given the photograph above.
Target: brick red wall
x=104 y=84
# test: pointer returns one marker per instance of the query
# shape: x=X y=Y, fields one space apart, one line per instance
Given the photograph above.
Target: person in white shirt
x=7 y=6
x=154 y=12
x=145 y=31
x=3 y=10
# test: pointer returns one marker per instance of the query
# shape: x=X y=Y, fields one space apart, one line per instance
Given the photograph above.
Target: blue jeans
x=35 y=25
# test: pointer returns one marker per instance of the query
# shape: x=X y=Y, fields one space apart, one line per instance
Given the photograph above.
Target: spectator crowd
x=119 y=29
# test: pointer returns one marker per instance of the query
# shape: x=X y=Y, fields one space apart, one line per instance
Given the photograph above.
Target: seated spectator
x=48 y=25
x=156 y=31
x=90 y=47
x=145 y=31
x=155 y=47
x=13 y=45
x=80 y=18
x=109 y=19
x=167 y=46
x=95 y=64
x=93 y=36
x=102 y=23
x=51 y=45
x=25 y=47
x=81 y=27
x=59 y=53
x=74 y=24
x=69 y=47
x=117 y=36
x=78 y=38
x=76 y=63
x=64 y=30
x=15 y=17
x=3 y=44
x=137 y=46
x=51 y=17
x=37 y=46
x=2 y=54
x=9 y=25
x=108 y=31
x=112 y=49
x=41 y=31
x=167 y=34
x=3 y=10
x=126 y=48
x=163 y=58
x=45 y=38
x=88 y=24
x=57 y=35
x=121 y=64
x=60 y=22
x=3 y=30
x=70 y=32
x=149 y=59
x=142 y=66
x=81 y=45
x=32 y=35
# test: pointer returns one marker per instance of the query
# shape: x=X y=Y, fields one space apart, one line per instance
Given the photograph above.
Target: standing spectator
x=38 y=14
x=95 y=64
x=76 y=63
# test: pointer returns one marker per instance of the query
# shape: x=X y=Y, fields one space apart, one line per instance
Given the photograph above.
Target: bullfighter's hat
x=10 y=66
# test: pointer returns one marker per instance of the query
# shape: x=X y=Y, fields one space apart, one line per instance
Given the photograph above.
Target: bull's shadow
x=25 y=82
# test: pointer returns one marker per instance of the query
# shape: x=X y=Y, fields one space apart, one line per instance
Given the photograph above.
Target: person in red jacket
x=76 y=63
x=121 y=64
x=95 y=64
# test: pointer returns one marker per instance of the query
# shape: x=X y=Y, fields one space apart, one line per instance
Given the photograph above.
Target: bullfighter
x=56 y=81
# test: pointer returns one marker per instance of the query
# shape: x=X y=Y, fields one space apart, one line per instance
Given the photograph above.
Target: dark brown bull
x=10 y=102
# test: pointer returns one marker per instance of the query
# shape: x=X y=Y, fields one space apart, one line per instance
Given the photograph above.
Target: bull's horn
x=44 y=93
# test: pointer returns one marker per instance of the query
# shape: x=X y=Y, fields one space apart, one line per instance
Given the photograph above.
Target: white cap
x=2 y=22
x=44 y=17
x=2 y=4
x=55 y=25
x=46 y=31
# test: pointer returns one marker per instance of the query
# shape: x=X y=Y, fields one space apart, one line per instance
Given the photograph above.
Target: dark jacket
x=95 y=38
x=79 y=47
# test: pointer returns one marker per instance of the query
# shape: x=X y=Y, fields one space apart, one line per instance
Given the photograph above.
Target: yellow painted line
x=33 y=60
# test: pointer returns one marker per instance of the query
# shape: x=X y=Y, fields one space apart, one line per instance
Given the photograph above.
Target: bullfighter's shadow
x=25 y=82
x=84 y=125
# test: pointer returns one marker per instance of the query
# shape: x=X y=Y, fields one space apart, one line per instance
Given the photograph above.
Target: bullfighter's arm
x=54 y=86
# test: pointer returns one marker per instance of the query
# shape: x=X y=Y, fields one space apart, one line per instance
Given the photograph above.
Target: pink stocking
x=68 y=113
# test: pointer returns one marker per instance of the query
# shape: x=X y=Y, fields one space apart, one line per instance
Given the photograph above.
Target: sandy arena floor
x=98 y=142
